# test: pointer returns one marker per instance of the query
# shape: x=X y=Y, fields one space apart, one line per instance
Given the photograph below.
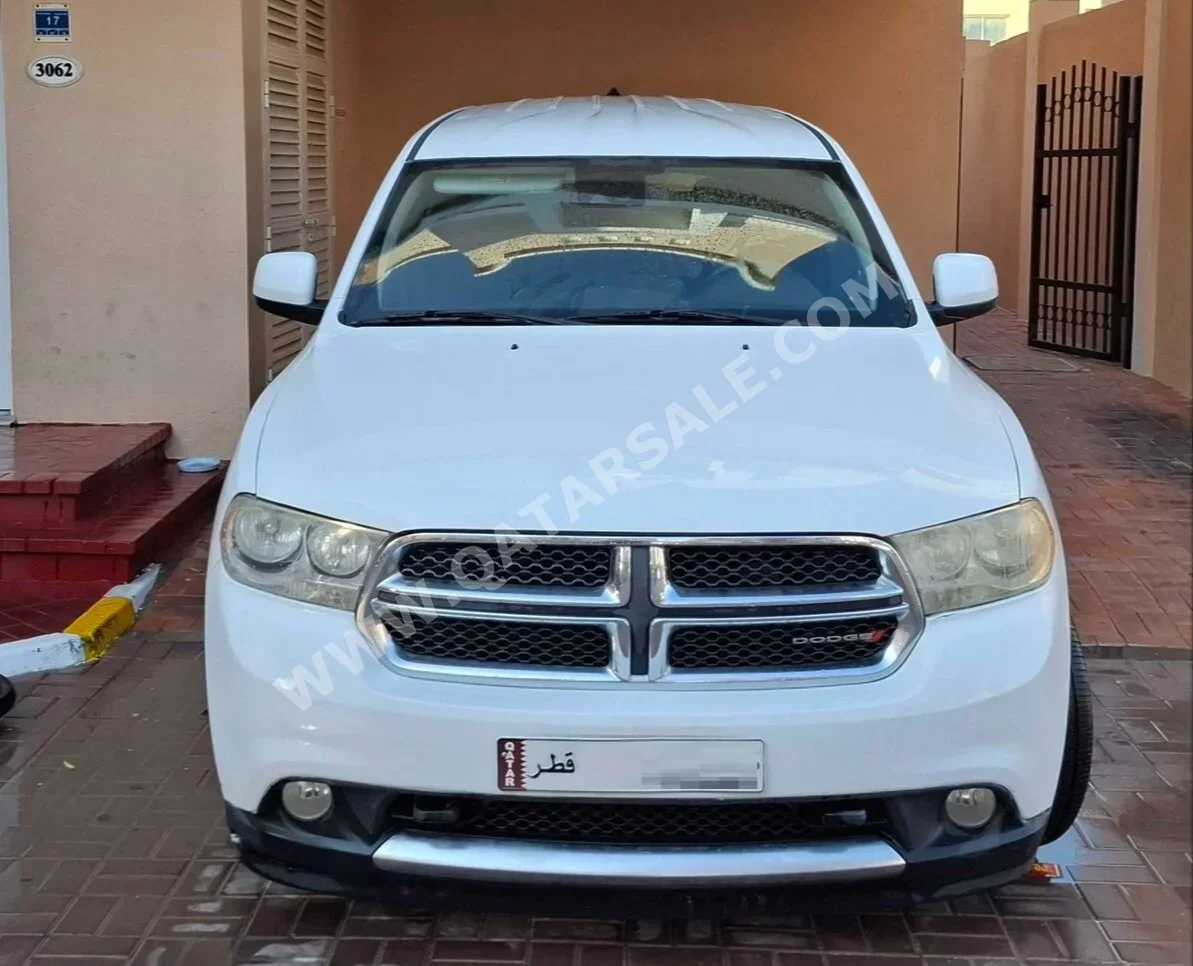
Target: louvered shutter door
x=283 y=20
x=298 y=170
x=315 y=33
x=317 y=144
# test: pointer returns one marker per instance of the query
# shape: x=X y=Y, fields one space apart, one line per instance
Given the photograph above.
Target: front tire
x=1079 y=750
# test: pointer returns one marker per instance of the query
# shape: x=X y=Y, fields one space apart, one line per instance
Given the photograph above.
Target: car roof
x=621 y=126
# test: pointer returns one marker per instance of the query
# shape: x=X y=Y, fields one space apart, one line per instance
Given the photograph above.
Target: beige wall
x=1111 y=38
x=127 y=195
x=884 y=78
x=1164 y=310
x=1173 y=363
x=991 y=158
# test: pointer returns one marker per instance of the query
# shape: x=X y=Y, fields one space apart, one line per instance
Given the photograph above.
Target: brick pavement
x=113 y=850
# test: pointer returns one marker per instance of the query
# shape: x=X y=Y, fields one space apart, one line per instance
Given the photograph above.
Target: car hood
x=878 y=431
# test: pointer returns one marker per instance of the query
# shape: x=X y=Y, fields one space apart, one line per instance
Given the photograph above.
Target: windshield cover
x=615 y=239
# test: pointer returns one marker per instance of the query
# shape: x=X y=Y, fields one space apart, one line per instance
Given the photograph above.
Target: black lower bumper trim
x=314 y=863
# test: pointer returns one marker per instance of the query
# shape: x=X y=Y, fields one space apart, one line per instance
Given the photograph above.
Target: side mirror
x=285 y=285
x=966 y=285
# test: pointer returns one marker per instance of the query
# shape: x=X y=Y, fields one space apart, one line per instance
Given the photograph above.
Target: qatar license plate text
x=628 y=766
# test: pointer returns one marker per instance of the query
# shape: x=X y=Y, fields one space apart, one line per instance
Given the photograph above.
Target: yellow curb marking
x=105 y=621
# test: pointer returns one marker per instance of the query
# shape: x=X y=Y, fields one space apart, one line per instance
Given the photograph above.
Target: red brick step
x=86 y=507
x=54 y=475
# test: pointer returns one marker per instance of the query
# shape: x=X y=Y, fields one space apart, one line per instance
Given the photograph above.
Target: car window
x=594 y=239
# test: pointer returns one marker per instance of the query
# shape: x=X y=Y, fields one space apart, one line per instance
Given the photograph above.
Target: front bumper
x=445 y=871
x=295 y=692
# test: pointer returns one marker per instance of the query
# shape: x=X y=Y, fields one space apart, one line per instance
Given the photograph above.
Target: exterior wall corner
x=128 y=210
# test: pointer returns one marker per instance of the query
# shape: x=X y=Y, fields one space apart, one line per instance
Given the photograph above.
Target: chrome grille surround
x=388 y=577
x=639 y=624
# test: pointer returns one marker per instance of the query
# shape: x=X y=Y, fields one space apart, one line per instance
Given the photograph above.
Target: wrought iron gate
x=1083 y=231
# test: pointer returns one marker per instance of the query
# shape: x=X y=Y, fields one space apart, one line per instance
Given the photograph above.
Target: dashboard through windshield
x=625 y=240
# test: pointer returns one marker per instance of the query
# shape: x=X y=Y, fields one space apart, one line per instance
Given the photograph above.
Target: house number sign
x=51 y=23
x=55 y=71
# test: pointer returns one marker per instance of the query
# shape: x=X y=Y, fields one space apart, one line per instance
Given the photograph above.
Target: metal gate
x=1083 y=231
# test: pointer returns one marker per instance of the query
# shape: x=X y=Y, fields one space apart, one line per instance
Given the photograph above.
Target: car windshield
x=625 y=240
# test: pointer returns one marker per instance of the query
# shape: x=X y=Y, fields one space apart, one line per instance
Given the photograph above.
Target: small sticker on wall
x=51 y=23
x=55 y=71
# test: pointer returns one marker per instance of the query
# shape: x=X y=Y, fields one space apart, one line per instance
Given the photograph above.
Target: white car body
x=447 y=429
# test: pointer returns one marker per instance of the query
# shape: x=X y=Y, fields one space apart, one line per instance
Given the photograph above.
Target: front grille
x=849 y=643
x=640 y=611
x=639 y=823
x=715 y=568
x=508 y=643
x=553 y=565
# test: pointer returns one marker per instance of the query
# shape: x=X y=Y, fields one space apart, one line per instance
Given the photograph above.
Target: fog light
x=970 y=808
x=306 y=801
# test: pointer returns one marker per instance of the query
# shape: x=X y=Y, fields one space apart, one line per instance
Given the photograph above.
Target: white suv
x=627 y=537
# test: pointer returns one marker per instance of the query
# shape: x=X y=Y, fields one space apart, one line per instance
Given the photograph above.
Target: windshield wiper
x=443 y=317
x=694 y=316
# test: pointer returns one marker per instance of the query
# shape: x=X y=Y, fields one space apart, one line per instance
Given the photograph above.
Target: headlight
x=340 y=551
x=982 y=559
x=295 y=554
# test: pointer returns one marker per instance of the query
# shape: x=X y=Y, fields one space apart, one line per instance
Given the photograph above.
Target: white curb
x=57 y=652
x=50 y=652
x=139 y=588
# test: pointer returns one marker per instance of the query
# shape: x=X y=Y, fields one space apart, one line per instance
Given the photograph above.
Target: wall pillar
x=1163 y=289
x=6 y=397
x=1041 y=14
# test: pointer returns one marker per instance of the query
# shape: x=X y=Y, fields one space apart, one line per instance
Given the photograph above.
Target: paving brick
x=1034 y=939
x=1176 y=954
x=15 y=950
x=89 y=946
x=275 y=917
x=358 y=952
x=614 y=955
x=970 y=947
x=673 y=956
x=466 y=951
x=403 y=952
x=1083 y=940
x=1107 y=901
x=584 y=930
x=555 y=954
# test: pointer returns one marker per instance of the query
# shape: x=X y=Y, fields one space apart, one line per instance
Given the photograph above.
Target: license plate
x=630 y=766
